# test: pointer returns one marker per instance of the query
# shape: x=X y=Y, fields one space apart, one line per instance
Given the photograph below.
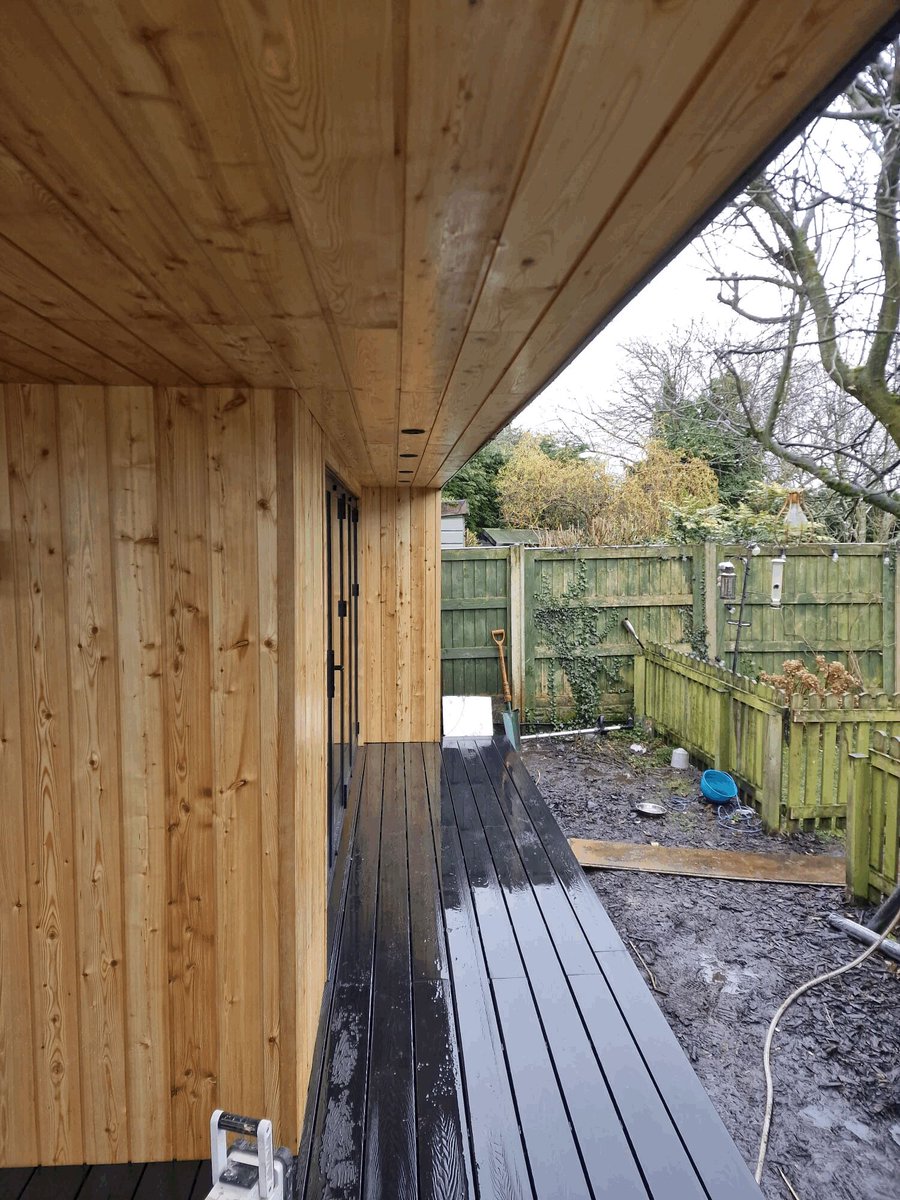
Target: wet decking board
x=118 y=1181
x=484 y=1031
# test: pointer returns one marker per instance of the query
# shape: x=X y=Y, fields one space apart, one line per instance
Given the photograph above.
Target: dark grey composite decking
x=123 y=1181
x=484 y=1031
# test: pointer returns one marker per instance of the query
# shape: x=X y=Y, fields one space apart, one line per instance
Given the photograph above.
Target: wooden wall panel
x=309 y=809
x=18 y=1125
x=46 y=774
x=162 y=766
x=133 y=465
x=190 y=808
x=96 y=807
x=400 y=537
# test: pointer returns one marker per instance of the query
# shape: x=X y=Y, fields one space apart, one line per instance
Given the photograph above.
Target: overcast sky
x=678 y=295
x=681 y=294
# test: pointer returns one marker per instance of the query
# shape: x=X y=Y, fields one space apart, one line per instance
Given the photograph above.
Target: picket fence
x=810 y=763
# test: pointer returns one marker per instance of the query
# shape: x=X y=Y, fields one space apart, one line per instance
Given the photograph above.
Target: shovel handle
x=498 y=636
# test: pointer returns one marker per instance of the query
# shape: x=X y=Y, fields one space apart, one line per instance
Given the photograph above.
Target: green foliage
x=578 y=501
x=476 y=482
x=574 y=631
x=757 y=518
x=694 y=426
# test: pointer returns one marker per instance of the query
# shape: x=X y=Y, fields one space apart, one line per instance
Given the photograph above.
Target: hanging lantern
x=796 y=522
x=777 y=579
x=727 y=580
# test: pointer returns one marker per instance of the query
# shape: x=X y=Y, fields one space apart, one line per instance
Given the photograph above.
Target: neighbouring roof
x=454 y=508
x=510 y=537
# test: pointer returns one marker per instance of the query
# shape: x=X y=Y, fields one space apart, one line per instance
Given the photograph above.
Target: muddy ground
x=725 y=954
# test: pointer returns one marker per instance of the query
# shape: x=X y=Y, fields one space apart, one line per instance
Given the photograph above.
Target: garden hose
x=767 y=1049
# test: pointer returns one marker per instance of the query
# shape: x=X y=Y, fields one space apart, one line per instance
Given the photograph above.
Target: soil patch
x=725 y=954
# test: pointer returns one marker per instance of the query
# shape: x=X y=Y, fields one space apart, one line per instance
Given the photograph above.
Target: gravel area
x=725 y=954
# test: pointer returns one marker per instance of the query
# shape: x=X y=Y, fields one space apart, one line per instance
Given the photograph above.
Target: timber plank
x=390 y=1166
x=602 y=1140
x=816 y=870
x=50 y=1183
x=500 y=1165
x=135 y=533
x=445 y=1168
x=427 y=942
x=562 y=923
x=528 y=1069
x=336 y=1113
x=203 y=1182
x=714 y=1155
x=553 y=1158
x=593 y=918
x=118 y=1181
x=190 y=816
x=265 y=484
x=167 y=1180
x=234 y=637
x=13 y=1181
x=18 y=1130
x=32 y=447
x=96 y=793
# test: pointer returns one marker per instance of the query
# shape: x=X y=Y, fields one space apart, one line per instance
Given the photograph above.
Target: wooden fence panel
x=578 y=658
x=884 y=806
x=474 y=600
x=823 y=736
x=836 y=608
x=574 y=601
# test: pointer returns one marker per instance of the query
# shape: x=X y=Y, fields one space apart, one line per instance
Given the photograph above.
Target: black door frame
x=342 y=649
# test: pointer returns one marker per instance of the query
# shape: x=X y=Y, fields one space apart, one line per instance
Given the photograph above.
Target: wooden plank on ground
x=816 y=870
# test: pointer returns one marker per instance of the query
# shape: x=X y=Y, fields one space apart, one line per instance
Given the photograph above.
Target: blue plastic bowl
x=718 y=787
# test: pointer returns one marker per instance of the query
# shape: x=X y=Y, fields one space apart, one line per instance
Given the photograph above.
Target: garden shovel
x=510 y=714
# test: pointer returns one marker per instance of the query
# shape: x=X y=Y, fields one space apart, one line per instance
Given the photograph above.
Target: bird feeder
x=727 y=580
x=777 y=579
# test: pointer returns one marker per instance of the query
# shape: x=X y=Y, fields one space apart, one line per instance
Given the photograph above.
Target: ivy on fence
x=574 y=631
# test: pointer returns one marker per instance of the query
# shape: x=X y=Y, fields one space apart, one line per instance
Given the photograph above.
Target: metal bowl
x=648 y=809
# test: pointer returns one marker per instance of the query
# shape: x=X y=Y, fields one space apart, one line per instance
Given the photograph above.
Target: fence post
x=640 y=686
x=723 y=732
x=773 y=751
x=711 y=598
x=859 y=791
x=516 y=584
x=889 y=620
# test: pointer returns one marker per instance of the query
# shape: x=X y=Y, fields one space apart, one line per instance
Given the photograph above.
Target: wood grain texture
x=190 y=803
x=412 y=211
x=18 y=1118
x=162 y=756
x=309 y=845
x=814 y=870
x=400 y=539
x=266 y=511
x=96 y=783
x=133 y=468
x=234 y=616
x=31 y=415
x=714 y=131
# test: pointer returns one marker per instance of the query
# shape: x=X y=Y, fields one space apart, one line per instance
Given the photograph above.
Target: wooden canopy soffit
x=411 y=211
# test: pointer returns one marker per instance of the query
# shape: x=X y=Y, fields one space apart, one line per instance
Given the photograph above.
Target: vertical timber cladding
x=162 y=733
x=400 y=541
